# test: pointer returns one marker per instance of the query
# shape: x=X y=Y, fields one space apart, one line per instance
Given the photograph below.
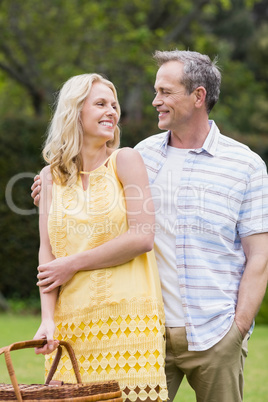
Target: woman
x=96 y=223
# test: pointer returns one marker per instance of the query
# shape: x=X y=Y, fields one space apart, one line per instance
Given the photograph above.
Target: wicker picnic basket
x=55 y=390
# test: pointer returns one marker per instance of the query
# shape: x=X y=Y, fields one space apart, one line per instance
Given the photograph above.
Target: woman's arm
x=48 y=300
x=137 y=240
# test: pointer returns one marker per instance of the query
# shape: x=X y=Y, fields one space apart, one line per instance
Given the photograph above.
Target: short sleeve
x=253 y=216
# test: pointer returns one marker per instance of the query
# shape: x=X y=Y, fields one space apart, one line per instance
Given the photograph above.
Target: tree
x=44 y=43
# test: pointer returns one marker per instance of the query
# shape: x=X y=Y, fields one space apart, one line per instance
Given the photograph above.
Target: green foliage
x=242 y=105
x=262 y=316
x=19 y=162
x=24 y=307
x=42 y=44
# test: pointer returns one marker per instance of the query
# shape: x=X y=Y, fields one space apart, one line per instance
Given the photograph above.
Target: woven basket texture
x=55 y=391
x=91 y=392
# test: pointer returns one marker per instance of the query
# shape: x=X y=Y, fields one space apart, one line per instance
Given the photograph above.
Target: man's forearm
x=251 y=292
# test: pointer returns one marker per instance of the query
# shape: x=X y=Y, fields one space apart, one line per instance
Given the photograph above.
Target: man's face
x=175 y=107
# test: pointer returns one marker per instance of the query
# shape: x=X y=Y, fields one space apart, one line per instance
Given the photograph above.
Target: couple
x=210 y=197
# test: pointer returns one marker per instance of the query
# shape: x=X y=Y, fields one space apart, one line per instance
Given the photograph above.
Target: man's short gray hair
x=199 y=70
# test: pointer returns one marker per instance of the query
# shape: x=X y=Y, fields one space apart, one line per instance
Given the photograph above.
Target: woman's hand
x=46 y=331
x=55 y=273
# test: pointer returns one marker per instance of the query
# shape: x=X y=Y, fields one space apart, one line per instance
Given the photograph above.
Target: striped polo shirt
x=222 y=197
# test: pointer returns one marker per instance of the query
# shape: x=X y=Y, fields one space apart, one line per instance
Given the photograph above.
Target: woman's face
x=99 y=115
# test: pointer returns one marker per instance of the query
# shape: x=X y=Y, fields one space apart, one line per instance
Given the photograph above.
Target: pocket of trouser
x=238 y=330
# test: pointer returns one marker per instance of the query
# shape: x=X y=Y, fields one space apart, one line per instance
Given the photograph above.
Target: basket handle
x=33 y=344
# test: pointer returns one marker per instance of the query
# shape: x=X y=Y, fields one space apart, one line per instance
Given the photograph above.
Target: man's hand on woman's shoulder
x=36 y=188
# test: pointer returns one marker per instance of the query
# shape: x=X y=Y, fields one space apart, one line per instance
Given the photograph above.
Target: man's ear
x=200 y=96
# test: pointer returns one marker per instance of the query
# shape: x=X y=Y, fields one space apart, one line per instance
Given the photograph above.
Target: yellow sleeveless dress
x=112 y=317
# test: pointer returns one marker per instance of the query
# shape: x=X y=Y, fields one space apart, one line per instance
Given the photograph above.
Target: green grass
x=29 y=368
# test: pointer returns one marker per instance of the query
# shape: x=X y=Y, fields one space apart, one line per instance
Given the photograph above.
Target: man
x=211 y=201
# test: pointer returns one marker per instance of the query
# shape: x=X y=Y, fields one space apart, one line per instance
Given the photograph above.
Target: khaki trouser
x=216 y=374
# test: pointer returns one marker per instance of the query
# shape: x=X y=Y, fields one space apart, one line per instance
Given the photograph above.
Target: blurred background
x=43 y=43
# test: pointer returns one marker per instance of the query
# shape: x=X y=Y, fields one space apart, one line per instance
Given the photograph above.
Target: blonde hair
x=64 y=141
